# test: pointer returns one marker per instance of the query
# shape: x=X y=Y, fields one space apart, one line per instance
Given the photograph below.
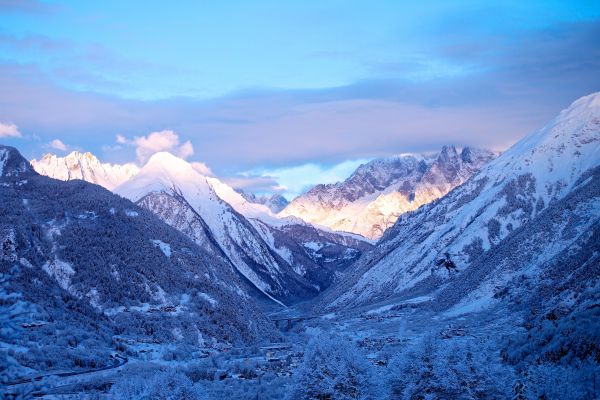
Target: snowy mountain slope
x=554 y=256
x=464 y=229
x=212 y=222
x=313 y=252
x=79 y=264
x=373 y=197
x=84 y=166
x=177 y=212
x=240 y=203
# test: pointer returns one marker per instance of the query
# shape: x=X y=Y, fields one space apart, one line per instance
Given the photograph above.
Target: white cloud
x=186 y=150
x=121 y=139
x=58 y=145
x=166 y=140
x=202 y=168
x=9 y=131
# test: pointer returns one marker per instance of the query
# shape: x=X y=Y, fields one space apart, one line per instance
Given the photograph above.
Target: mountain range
x=284 y=259
x=173 y=264
x=452 y=207
x=377 y=193
x=279 y=255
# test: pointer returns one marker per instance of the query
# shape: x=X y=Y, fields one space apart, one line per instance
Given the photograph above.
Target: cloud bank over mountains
x=501 y=72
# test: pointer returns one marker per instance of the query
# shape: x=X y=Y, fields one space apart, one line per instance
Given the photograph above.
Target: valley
x=161 y=282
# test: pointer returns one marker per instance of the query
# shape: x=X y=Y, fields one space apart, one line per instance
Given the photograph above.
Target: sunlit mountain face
x=301 y=200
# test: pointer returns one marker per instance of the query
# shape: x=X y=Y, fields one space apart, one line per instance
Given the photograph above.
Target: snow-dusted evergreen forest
x=186 y=289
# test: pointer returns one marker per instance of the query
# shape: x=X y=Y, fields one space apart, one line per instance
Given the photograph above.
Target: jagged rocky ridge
x=372 y=198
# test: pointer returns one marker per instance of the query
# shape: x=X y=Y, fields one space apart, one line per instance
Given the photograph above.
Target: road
x=120 y=362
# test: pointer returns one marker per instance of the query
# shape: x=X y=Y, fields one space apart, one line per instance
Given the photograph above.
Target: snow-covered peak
x=556 y=154
x=275 y=202
x=169 y=161
x=77 y=155
x=205 y=209
x=165 y=171
x=85 y=166
x=591 y=102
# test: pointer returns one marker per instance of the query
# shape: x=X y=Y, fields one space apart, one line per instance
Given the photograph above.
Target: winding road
x=120 y=362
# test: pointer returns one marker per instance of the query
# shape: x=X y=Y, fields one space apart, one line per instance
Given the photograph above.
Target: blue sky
x=276 y=95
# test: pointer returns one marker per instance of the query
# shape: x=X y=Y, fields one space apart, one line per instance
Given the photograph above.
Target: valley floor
x=379 y=332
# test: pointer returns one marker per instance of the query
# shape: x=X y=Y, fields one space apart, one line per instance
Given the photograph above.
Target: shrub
x=550 y=381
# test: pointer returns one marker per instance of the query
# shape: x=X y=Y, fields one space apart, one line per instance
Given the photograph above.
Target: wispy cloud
x=57 y=144
x=33 y=42
x=255 y=183
x=516 y=85
x=295 y=180
x=202 y=168
x=88 y=66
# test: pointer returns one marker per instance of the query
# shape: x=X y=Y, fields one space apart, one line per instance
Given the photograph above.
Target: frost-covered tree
x=334 y=368
x=454 y=369
x=150 y=383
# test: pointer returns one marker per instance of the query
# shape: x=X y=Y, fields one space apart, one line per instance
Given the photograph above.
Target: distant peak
x=73 y=154
x=472 y=154
x=48 y=156
x=467 y=154
x=84 y=166
x=447 y=155
x=12 y=162
x=449 y=149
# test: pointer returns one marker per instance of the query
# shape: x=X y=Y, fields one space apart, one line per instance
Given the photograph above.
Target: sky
x=277 y=96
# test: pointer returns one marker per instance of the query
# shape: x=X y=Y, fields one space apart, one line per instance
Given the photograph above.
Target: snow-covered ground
x=379 y=334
